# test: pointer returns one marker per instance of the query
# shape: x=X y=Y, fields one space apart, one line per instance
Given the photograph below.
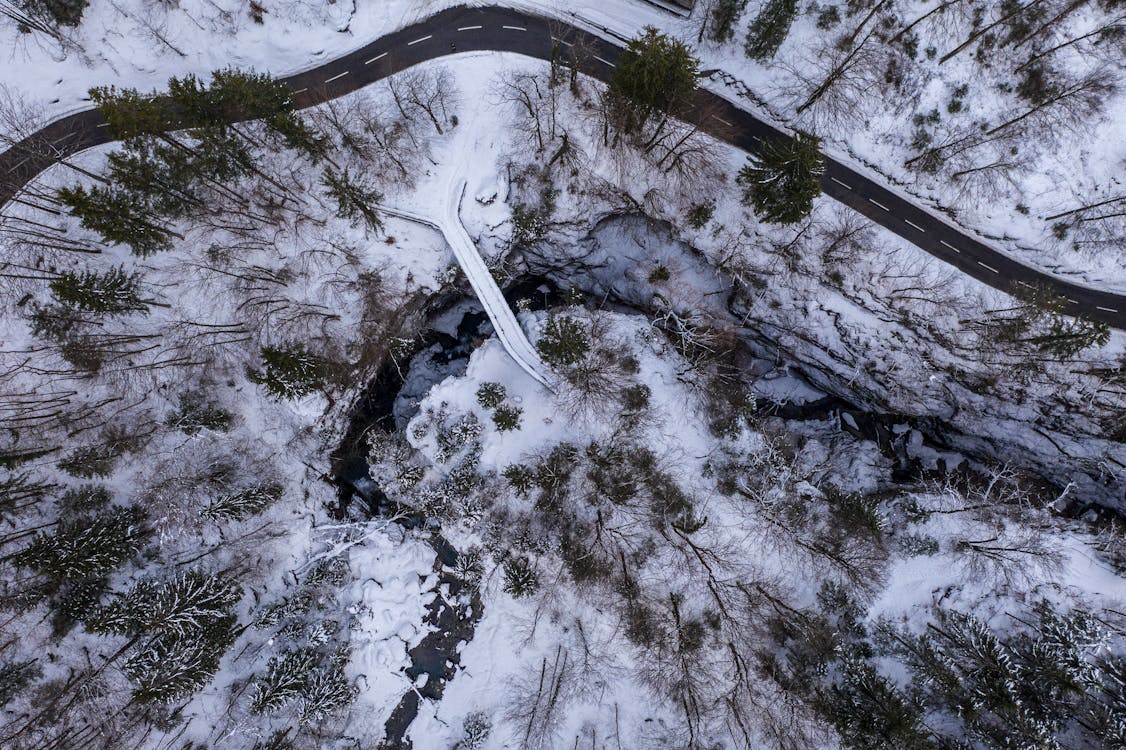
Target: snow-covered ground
x=855 y=310
x=140 y=44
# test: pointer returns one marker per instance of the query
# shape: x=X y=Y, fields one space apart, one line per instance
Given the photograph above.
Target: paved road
x=503 y=29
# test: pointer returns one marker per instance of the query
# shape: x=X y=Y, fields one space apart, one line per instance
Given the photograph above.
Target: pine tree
x=490 y=395
x=291 y=371
x=74 y=601
x=655 y=75
x=129 y=113
x=507 y=417
x=245 y=503
x=184 y=624
x=870 y=713
x=1066 y=336
x=298 y=135
x=114 y=292
x=187 y=603
x=782 y=181
x=286 y=678
x=172 y=666
x=769 y=29
x=196 y=413
x=232 y=96
x=724 y=15
x=564 y=341
x=118 y=217
x=18 y=491
x=326 y=691
x=86 y=546
x=15 y=676
x=520 y=577
x=60 y=12
x=356 y=199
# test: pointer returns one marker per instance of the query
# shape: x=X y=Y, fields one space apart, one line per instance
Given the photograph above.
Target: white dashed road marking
x=299 y=91
x=725 y=122
x=1105 y=309
x=336 y=77
x=562 y=41
x=1072 y=301
x=845 y=185
x=607 y=62
x=421 y=39
x=380 y=56
x=514 y=28
x=881 y=205
x=13 y=169
x=66 y=137
x=103 y=125
x=916 y=226
x=1025 y=283
x=988 y=268
x=944 y=242
x=468 y=28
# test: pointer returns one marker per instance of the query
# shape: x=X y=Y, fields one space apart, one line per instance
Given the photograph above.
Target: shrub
x=475 y=730
x=290 y=371
x=520 y=578
x=565 y=341
x=490 y=395
x=196 y=414
x=507 y=418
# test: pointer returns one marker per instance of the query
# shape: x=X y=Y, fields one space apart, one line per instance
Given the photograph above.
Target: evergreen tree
x=356 y=199
x=87 y=545
x=15 y=676
x=507 y=417
x=90 y=461
x=520 y=577
x=782 y=181
x=1066 y=336
x=118 y=217
x=18 y=491
x=291 y=371
x=196 y=413
x=298 y=136
x=286 y=678
x=172 y=666
x=232 y=96
x=490 y=395
x=185 y=624
x=564 y=341
x=60 y=12
x=187 y=603
x=245 y=503
x=872 y=714
x=74 y=601
x=655 y=76
x=326 y=691
x=114 y=292
x=769 y=29
x=129 y=113
x=724 y=15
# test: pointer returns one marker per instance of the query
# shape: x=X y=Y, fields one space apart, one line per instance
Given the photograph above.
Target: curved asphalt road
x=502 y=29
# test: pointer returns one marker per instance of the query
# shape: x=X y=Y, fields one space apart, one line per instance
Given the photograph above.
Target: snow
x=843 y=333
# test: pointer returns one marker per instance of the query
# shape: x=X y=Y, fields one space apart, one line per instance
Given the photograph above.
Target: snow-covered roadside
x=121 y=44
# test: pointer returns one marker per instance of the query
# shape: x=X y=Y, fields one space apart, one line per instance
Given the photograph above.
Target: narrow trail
x=499 y=29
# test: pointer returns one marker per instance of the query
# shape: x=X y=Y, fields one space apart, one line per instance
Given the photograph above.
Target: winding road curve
x=498 y=29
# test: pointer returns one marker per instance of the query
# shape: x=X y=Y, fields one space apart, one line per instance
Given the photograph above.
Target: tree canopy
x=784 y=178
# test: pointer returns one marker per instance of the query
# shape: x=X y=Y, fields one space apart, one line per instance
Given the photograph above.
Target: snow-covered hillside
x=794 y=486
